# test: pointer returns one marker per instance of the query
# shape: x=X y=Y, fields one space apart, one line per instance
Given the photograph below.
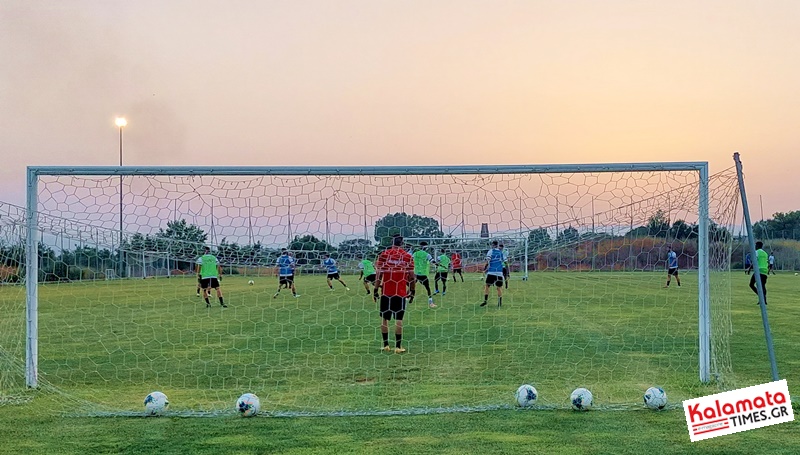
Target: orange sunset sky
x=403 y=83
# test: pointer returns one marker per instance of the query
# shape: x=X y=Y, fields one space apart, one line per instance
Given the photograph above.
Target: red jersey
x=394 y=266
x=456 y=260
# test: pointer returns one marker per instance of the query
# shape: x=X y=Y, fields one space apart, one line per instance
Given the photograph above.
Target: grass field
x=113 y=342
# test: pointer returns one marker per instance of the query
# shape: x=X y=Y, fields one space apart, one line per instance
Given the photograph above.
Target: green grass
x=113 y=342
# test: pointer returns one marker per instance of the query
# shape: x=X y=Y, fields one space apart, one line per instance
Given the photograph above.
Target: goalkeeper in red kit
x=395 y=268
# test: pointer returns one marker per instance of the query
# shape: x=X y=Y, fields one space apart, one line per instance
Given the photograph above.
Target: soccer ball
x=251 y=282
x=526 y=395
x=581 y=399
x=795 y=273
x=655 y=398
x=248 y=405
x=155 y=403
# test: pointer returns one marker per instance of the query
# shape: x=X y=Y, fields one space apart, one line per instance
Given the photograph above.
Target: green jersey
x=367 y=267
x=444 y=263
x=763 y=261
x=208 y=266
x=422 y=262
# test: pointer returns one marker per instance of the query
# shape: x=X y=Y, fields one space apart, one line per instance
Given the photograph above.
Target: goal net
x=593 y=313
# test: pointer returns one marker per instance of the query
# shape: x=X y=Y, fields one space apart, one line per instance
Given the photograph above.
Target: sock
x=207 y=302
x=385 y=338
x=485 y=297
x=398 y=339
x=221 y=302
x=667 y=283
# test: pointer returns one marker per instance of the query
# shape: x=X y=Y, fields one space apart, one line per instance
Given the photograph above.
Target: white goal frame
x=33 y=233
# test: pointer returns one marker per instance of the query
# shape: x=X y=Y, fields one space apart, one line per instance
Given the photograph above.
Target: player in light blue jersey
x=494 y=274
x=286 y=265
x=672 y=267
x=333 y=270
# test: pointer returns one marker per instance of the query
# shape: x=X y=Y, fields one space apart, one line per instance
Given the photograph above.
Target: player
x=748 y=264
x=210 y=272
x=442 y=267
x=422 y=265
x=762 y=260
x=395 y=268
x=333 y=270
x=494 y=274
x=455 y=259
x=771 y=263
x=672 y=267
x=367 y=272
x=286 y=266
x=506 y=273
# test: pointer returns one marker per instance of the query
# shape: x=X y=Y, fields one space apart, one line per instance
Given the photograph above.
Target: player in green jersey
x=442 y=268
x=210 y=271
x=367 y=272
x=422 y=265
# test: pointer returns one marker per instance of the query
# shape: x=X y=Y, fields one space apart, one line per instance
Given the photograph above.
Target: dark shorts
x=458 y=270
x=494 y=280
x=393 y=306
x=369 y=278
x=333 y=276
x=423 y=279
x=287 y=280
x=209 y=283
x=441 y=276
x=505 y=271
x=672 y=271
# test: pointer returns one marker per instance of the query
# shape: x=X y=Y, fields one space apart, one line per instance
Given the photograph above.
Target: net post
x=31 y=282
x=704 y=307
x=752 y=244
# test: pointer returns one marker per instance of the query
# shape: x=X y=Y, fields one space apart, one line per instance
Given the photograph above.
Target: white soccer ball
x=155 y=403
x=251 y=282
x=248 y=405
x=581 y=399
x=526 y=395
x=655 y=398
x=795 y=273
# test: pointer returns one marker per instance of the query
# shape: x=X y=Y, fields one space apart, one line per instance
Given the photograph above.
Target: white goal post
x=34 y=174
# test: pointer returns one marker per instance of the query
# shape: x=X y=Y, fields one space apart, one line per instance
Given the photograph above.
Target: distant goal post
x=518 y=207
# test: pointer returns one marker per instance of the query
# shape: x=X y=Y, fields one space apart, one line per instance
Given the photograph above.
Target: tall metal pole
x=762 y=302
x=120 y=204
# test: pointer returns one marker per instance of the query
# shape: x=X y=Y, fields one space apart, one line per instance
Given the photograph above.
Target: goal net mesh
x=119 y=314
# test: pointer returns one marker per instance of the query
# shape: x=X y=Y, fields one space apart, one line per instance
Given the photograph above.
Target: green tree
x=568 y=235
x=407 y=226
x=658 y=224
x=184 y=241
x=355 y=247
x=538 y=239
x=680 y=230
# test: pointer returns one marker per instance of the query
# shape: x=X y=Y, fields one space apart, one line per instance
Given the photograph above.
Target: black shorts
x=369 y=278
x=441 y=276
x=494 y=280
x=394 y=306
x=333 y=276
x=209 y=283
x=458 y=270
x=423 y=279
x=287 y=280
x=505 y=271
x=672 y=271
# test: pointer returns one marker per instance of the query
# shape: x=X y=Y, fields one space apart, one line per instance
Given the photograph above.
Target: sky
x=368 y=82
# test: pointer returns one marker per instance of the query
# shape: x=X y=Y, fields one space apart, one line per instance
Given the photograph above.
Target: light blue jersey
x=285 y=263
x=672 y=260
x=495 y=259
x=330 y=263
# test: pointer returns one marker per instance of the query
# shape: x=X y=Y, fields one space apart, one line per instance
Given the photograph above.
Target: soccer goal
x=591 y=239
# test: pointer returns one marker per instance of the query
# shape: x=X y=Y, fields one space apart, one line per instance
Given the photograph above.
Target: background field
x=30 y=427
